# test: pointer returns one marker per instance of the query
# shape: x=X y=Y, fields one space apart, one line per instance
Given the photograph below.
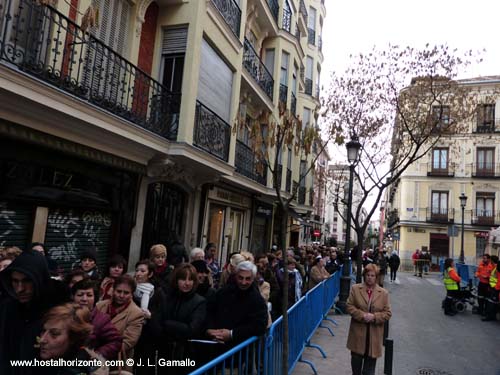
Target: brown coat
x=128 y=322
x=317 y=275
x=357 y=305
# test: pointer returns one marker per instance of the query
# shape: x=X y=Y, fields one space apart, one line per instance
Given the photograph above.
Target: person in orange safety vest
x=452 y=284
x=492 y=301
x=483 y=289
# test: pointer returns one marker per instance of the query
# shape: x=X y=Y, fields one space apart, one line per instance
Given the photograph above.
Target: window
x=173 y=52
x=285 y=60
x=486 y=118
x=439 y=205
x=269 y=60
x=311 y=21
x=441 y=117
x=485 y=203
x=309 y=75
x=440 y=160
x=485 y=163
x=306 y=121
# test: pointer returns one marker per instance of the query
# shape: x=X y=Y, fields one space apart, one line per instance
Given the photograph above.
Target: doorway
x=439 y=246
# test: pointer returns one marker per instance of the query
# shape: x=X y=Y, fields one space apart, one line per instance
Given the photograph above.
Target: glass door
x=215 y=229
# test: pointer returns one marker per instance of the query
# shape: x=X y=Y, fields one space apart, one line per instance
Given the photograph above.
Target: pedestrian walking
x=492 y=301
x=394 y=262
x=368 y=304
x=415 y=257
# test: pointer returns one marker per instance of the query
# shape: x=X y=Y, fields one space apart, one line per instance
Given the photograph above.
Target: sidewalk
x=338 y=360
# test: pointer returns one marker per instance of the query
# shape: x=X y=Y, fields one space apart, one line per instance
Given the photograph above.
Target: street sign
x=452 y=231
x=317 y=233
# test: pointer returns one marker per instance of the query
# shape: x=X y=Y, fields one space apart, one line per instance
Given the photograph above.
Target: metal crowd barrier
x=304 y=318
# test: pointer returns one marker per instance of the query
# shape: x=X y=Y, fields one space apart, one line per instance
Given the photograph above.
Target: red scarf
x=369 y=291
x=114 y=311
x=161 y=269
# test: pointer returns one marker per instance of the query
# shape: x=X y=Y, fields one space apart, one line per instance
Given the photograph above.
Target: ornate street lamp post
x=463 y=202
x=353 y=147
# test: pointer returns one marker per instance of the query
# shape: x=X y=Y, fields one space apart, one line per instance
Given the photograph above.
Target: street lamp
x=463 y=202
x=353 y=147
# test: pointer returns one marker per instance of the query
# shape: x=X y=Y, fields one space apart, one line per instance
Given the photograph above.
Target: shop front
x=226 y=221
x=261 y=228
x=65 y=200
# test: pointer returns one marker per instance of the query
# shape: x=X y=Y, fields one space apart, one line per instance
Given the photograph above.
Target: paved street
x=424 y=338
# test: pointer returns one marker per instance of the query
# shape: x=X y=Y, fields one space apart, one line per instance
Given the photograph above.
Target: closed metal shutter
x=70 y=232
x=215 y=84
x=174 y=40
x=15 y=225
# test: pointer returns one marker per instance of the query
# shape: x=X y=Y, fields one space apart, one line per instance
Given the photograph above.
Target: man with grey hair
x=196 y=253
x=237 y=311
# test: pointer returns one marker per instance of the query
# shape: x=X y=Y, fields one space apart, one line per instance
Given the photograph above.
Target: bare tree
x=269 y=137
x=400 y=102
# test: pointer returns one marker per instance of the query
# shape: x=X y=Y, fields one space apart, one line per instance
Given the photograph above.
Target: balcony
x=295 y=187
x=231 y=12
x=247 y=165
x=283 y=94
x=309 y=86
x=286 y=23
x=491 y=126
x=211 y=133
x=43 y=43
x=320 y=43
x=435 y=171
x=440 y=215
x=485 y=170
x=279 y=172
x=274 y=7
x=288 y=186
x=485 y=217
x=311 y=36
x=316 y=91
x=293 y=104
x=301 y=196
x=257 y=69
x=311 y=197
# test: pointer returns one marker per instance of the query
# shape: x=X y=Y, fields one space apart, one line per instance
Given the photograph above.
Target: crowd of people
x=188 y=306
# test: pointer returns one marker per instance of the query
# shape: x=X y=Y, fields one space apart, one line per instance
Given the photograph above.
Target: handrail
x=257 y=69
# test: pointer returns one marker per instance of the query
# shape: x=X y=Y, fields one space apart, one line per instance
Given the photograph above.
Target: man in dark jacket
x=238 y=311
x=31 y=292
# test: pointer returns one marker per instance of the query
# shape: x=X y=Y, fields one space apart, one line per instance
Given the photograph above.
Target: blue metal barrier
x=304 y=318
x=245 y=358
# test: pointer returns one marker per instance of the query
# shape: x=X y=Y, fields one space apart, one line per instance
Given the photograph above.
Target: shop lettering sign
x=229 y=197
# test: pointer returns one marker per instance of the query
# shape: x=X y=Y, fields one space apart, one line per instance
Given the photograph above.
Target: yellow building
x=120 y=136
x=423 y=207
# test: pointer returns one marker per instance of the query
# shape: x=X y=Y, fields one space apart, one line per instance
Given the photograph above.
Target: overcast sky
x=353 y=26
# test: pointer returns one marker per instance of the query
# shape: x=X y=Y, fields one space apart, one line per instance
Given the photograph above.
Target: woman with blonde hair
x=369 y=307
x=228 y=273
x=66 y=331
x=158 y=255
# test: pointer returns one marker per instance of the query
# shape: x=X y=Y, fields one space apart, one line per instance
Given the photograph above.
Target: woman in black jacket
x=181 y=315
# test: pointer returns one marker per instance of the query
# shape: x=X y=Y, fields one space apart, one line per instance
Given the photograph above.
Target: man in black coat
x=30 y=293
x=237 y=311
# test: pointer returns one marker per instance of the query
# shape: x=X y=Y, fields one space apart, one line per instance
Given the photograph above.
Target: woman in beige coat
x=368 y=304
x=318 y=272
x=125 y=315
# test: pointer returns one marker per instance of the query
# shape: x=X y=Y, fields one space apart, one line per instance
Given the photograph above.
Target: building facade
x=121 y=135
x=423 y=209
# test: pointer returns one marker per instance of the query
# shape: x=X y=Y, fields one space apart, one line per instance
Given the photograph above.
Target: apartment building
x=423 y=207
x=121 y=135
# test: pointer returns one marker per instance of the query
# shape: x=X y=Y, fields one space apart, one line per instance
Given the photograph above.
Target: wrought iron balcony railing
x=486 y=170
x=257 y=69
x=231 y=13
x=288 y=183
x=274 y=7
x=211 y=133
x=283 y=94
x=293 y=104
x=287 y=20
x=440 y=215
x=302 y=72
x=297 y=32
x=311 y=197
x=247 y=165
x=309 y=86
x=43 y=43
x=485 y=217
x=302 y=195
x=303 y=9
x=320 y=43
x=316 y=91
x=487 y=126
x=295 y=188
x=440 y=171
x=311 y=36
x=279 y=172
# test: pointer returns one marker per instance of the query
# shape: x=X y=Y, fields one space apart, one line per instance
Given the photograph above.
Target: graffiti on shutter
x=15 y=224
x=70 y=232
